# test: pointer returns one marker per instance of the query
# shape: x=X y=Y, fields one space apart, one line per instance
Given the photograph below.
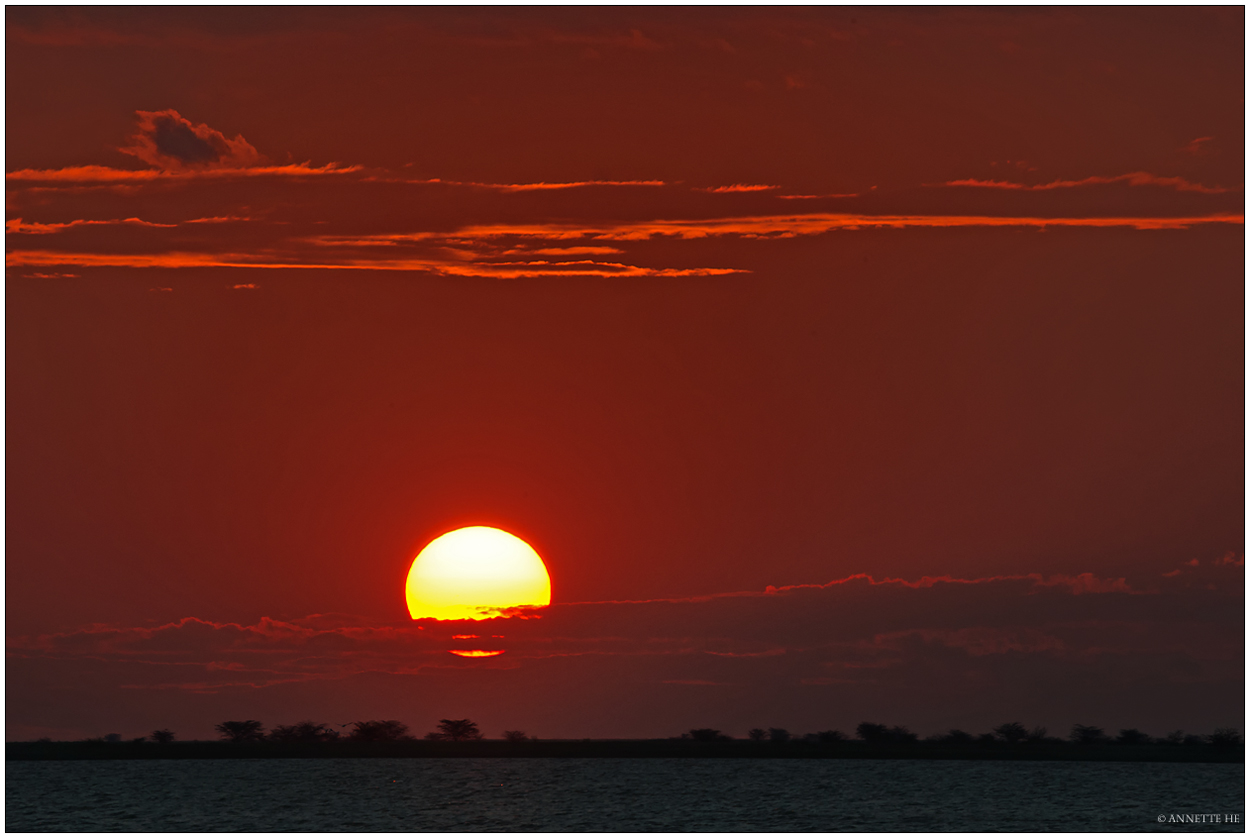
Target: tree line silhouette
x=385 y=730
x=1010 y=733
x=465 y=730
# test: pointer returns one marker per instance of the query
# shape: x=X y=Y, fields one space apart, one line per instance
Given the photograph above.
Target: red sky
x=697 y=302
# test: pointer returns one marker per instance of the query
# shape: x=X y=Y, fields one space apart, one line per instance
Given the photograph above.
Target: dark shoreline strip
x=619 y=748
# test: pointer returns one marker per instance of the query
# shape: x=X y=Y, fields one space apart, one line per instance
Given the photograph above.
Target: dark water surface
x=614 y=795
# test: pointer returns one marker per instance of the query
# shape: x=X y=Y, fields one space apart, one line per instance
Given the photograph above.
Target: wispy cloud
x=467 y=228
x=108 y=174
x=977 y=641
x=1083 y=583
x=760 y=226
x=534 y=187
x=500 y=270
x=570 y=251
x=538 y=186
x=473 y=258
x=1197 y=145
x=18 y=226
x=218 y=219
x=1076 y=584
x=814 y=197
x=737 y=187
x=1132 y=179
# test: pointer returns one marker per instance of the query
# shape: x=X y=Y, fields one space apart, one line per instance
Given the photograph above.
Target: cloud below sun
x=852 y=630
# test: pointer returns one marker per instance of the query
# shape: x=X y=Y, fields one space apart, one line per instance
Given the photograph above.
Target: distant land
x=626 y=748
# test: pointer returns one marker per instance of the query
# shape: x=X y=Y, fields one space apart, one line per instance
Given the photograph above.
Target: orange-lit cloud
x=19 y=258
x=1132 y=179
x=539 y=186
x=501 y=270
x=107 y=174
x=777 y=226
x=218 y=219
x=16 y=225
x=571 y=251
x=168 y=140
x=737 y=187
x=533 y=187
x=482 y=249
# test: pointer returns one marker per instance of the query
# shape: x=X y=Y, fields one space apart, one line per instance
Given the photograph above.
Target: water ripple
x=613 y=795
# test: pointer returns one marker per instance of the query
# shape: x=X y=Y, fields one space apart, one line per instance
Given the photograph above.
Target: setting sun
x=475 y=573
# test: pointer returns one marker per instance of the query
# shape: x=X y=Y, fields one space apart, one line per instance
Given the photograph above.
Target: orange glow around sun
x=475 y=573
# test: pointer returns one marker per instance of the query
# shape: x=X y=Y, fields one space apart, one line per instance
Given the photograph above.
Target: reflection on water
x=617 y=795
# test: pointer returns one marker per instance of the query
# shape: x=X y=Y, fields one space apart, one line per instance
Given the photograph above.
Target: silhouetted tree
x=757 y=734
x=248 y=731
x=1176 y=737
x=387 y=730
x=871 y=732
x=1087 y=735
x=514 y=736
x=1132 y=736
x=455 y=730
x=778 y=734
x=878 y=734
x=305 y=731
x=1011 y=732
x=829 y=737
x=1037 y=734
x=903 y=735
x=1225 y=737
x=958 y=737
x=707 y=734
x=162 y=737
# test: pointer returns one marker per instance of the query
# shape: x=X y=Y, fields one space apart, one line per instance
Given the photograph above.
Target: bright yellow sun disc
x=473 y=574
